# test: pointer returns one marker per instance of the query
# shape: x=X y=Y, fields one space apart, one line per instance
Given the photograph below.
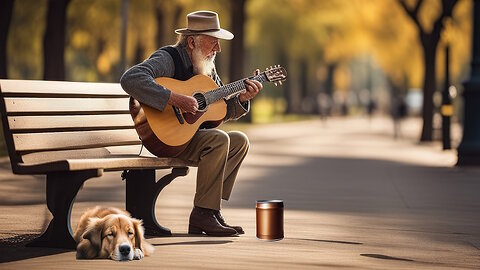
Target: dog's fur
x=110 y=233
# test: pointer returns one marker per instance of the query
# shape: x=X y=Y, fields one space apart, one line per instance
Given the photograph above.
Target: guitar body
x=162 y=133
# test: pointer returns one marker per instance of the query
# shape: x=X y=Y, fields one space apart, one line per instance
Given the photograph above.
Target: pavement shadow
x=439 y=200
x=14 y=249
x=385 y=257
x=331 y=184
x=206 y=242
x=326 y=241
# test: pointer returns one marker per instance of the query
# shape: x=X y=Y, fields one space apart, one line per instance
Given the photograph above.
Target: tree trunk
x=236 y=46
x=303 y=79
x=6 y=10
x=139 y=53
x=160 y=21
x=177 y=13
x=123 y=39
x=429 y=44
x=287 y=85
x=305 y=101
x=329 y=83
x=54 y=40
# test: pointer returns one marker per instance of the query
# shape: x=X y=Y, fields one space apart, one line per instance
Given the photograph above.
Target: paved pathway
x=354 y=199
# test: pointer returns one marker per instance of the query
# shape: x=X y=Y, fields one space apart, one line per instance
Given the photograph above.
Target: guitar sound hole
x=201 y=100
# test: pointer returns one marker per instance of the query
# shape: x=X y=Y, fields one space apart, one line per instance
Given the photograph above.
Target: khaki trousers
x=219 y=155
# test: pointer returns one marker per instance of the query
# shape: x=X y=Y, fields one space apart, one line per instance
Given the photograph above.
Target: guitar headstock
x=276 y=74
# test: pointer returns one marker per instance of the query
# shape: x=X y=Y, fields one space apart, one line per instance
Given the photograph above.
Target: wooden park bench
x=71 y=132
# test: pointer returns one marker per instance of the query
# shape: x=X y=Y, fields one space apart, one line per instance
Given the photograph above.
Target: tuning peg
x=275 y=83
x=270 y=67
x=280 y=82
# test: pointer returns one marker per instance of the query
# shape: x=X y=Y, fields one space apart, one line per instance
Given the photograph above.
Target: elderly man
x=218 y=154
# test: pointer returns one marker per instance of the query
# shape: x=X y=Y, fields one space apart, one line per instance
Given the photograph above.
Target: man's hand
x=252 y=88
x=184 y=103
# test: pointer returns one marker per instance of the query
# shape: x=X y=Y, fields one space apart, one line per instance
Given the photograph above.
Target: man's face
x=204 y=49
x=209 y=46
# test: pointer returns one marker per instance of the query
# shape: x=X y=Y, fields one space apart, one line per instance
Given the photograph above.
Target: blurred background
x=343 y=57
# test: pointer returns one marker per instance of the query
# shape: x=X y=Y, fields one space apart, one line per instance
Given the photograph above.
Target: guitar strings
x=230 y=89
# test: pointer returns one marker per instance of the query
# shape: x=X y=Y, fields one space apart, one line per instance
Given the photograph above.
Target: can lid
x=266 y=204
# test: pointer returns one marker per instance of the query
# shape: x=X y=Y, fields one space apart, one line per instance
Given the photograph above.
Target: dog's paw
x=138 y=255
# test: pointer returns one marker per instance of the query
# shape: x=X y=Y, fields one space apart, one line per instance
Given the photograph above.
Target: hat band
x=205 y=30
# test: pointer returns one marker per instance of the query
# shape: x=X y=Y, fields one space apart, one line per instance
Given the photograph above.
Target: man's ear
x=191 y=42
x=140 y=241
x=93 y=233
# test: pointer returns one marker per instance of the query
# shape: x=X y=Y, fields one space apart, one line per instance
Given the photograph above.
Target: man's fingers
x=255 y=85
x=258 y=84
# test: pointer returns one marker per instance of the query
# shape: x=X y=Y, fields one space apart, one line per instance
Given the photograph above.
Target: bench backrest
x=43 y=119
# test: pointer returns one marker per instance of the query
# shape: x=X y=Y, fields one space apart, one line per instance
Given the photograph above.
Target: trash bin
x=269 y=219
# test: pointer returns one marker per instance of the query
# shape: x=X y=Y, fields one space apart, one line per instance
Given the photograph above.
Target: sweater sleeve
x=139 y=81
x=236 y=109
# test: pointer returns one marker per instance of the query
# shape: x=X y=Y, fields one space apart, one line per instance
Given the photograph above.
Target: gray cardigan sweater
x=139 y=82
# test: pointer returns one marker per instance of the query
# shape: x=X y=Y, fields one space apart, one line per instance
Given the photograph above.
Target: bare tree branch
x=447 y=6
x=413 y=13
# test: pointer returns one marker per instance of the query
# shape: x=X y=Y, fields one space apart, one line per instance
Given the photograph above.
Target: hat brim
x=218 y=33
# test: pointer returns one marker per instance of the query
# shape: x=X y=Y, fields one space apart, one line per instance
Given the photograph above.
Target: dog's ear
x=93 y=233
x=140 y=241
x=90 y=243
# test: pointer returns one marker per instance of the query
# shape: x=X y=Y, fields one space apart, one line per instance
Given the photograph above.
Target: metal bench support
x=142 y=192
x=62 y=188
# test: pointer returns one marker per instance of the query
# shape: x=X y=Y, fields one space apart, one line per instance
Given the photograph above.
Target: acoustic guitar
x=166 y=133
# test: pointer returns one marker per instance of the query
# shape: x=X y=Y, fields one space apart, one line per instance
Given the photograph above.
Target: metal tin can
x=270 y=219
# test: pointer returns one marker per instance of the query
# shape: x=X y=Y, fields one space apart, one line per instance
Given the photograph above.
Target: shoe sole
x=195 y=230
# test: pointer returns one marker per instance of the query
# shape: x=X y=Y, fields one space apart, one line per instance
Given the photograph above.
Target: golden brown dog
x=110 y=233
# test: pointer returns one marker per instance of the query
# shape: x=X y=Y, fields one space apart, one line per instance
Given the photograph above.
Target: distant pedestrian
x=324 y=105
x=371 y=107
x=399 y=112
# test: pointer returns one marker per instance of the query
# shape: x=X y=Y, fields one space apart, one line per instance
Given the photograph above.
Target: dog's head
x=115 y=236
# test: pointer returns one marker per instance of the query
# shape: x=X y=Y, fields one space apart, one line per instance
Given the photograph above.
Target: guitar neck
x=231 y=88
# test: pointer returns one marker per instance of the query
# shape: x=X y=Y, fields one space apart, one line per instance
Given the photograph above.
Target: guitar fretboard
x=231 y=89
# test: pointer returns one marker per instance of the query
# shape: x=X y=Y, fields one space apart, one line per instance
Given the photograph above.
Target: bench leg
x=62 y=188
x=142 y=192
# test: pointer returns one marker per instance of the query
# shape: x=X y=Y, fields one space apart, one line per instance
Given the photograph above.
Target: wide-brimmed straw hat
x=204 y=23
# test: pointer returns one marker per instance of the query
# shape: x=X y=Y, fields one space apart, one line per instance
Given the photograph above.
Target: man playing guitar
x=218 y=154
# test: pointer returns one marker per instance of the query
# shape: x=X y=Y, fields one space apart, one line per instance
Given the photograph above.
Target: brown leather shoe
x=203 y=220
x=221 y=220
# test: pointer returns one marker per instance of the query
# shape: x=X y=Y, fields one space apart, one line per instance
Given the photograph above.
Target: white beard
x=201 y=64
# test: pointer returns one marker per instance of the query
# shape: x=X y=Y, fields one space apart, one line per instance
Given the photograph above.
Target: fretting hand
x=251 y=88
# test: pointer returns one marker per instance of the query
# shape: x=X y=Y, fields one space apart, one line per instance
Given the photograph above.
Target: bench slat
x=70 y=122
x=127 y=162
x=108 y=164
x=102 y=152
x=73 y=140
x=52 y=88
x=65 y=105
